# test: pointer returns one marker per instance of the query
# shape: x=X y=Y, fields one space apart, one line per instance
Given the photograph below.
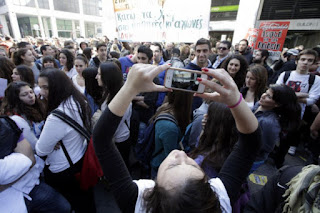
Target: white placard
x=162 y=20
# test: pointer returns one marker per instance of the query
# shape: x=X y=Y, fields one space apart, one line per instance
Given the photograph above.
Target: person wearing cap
x=287 y=63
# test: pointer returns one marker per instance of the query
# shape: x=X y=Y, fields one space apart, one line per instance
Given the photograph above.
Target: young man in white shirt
x=299 y=81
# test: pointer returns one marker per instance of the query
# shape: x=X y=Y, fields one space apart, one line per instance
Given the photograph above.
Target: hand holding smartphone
x=184 y=79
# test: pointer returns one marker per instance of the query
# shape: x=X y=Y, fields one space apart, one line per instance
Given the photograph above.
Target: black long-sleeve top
x=125 y=191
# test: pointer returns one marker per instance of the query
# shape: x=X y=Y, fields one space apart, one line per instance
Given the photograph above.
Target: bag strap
x=312 y=77
x=66 y=153
x=72 y=123
x=286 y=76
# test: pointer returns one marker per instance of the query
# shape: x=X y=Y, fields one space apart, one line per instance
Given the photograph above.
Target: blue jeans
x=46 y=199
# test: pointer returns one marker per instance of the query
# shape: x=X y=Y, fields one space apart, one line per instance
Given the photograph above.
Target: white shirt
x=215 y=183
x=31 y=130
x=71 y=72
x=13 y=167
x=55 y=130
x=123 y=132
x=300 y=83
x=75 y=83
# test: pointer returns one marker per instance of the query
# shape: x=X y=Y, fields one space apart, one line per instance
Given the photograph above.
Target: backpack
x=312 y=77
x=184 y=142
x=91 y=170
x=9 y=136
x=144 y=148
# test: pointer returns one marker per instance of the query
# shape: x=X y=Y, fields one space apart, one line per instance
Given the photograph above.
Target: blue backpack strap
x=184 y=142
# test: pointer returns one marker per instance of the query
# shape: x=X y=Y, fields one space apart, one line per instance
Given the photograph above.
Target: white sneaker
x=292 y=150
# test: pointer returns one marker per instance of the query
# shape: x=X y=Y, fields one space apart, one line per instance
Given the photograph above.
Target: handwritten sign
x=272 y=36
x=252 y=36
x=162 y=20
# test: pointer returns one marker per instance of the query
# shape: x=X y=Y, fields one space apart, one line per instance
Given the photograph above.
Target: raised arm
x=237 y=166
x=124 y=189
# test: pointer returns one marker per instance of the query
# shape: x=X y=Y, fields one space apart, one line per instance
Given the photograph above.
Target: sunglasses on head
x=222 y=48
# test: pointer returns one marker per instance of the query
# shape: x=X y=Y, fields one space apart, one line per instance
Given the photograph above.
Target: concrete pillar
x=81 y=21
x=53 y=19
x=39 y=20
x=3 y=21
x=14 y=25
x=46 y=27
x=246 y=18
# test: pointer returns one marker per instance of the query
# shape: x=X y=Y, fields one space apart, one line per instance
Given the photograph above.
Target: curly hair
x=12 y=104
x=241 y=74
x=70 y=58
x=6 y=68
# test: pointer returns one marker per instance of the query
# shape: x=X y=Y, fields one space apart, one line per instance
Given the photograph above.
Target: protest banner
x=272 y=36
x=252 y=36
x=162 y=20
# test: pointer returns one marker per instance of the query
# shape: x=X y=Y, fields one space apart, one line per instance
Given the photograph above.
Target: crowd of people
x=253 y=111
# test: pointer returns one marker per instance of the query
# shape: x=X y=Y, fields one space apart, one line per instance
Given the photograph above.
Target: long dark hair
x=180 y=105
x=87 y=52
x=17 y=59
x=6 y=67
x=91 y=84
x=195 y=197
x=112 y=79
x=240 y=76
x=26 y=74
x=289 y=110
x=260 y=73
x=70 y=58
x=61 y=89
x=218 y=138
x=12 y=104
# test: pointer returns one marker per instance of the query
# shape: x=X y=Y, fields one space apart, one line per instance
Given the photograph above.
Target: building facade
x=232 y=19
x=57 y=18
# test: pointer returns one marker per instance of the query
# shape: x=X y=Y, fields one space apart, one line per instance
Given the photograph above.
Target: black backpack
x=9 y=136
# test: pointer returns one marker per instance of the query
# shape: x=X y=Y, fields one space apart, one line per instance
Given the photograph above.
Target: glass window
x=64 y=24
x=27 y=3
x=93 y=29
x=67 y=6
x=29 y=26
x=300 y=9
x=44 y=4
x=224 y=10
x=93 y=7
x=2 y=2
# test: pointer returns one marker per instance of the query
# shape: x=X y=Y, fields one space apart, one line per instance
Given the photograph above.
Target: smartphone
x=184 y=79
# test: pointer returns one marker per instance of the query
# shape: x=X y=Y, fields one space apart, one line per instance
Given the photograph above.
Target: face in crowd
x=250 y=80
x=44 y=87
x=242 y=46
x=27 y=96
x=202 y=53
x=157 y=54
x=223 y=50
x=233 y=67
x=102 y=52
x=305 y=62
x=142 y=58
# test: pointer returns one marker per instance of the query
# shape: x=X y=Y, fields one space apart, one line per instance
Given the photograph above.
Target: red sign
x=252 y=36
x=272 y=35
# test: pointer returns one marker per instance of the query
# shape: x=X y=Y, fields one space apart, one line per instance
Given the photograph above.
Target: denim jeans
x=46 y=199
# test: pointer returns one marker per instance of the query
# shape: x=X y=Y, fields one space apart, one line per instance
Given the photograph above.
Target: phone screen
x=185 y=80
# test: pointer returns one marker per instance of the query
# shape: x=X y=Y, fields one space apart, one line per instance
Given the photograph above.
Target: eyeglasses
x=222 y=48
